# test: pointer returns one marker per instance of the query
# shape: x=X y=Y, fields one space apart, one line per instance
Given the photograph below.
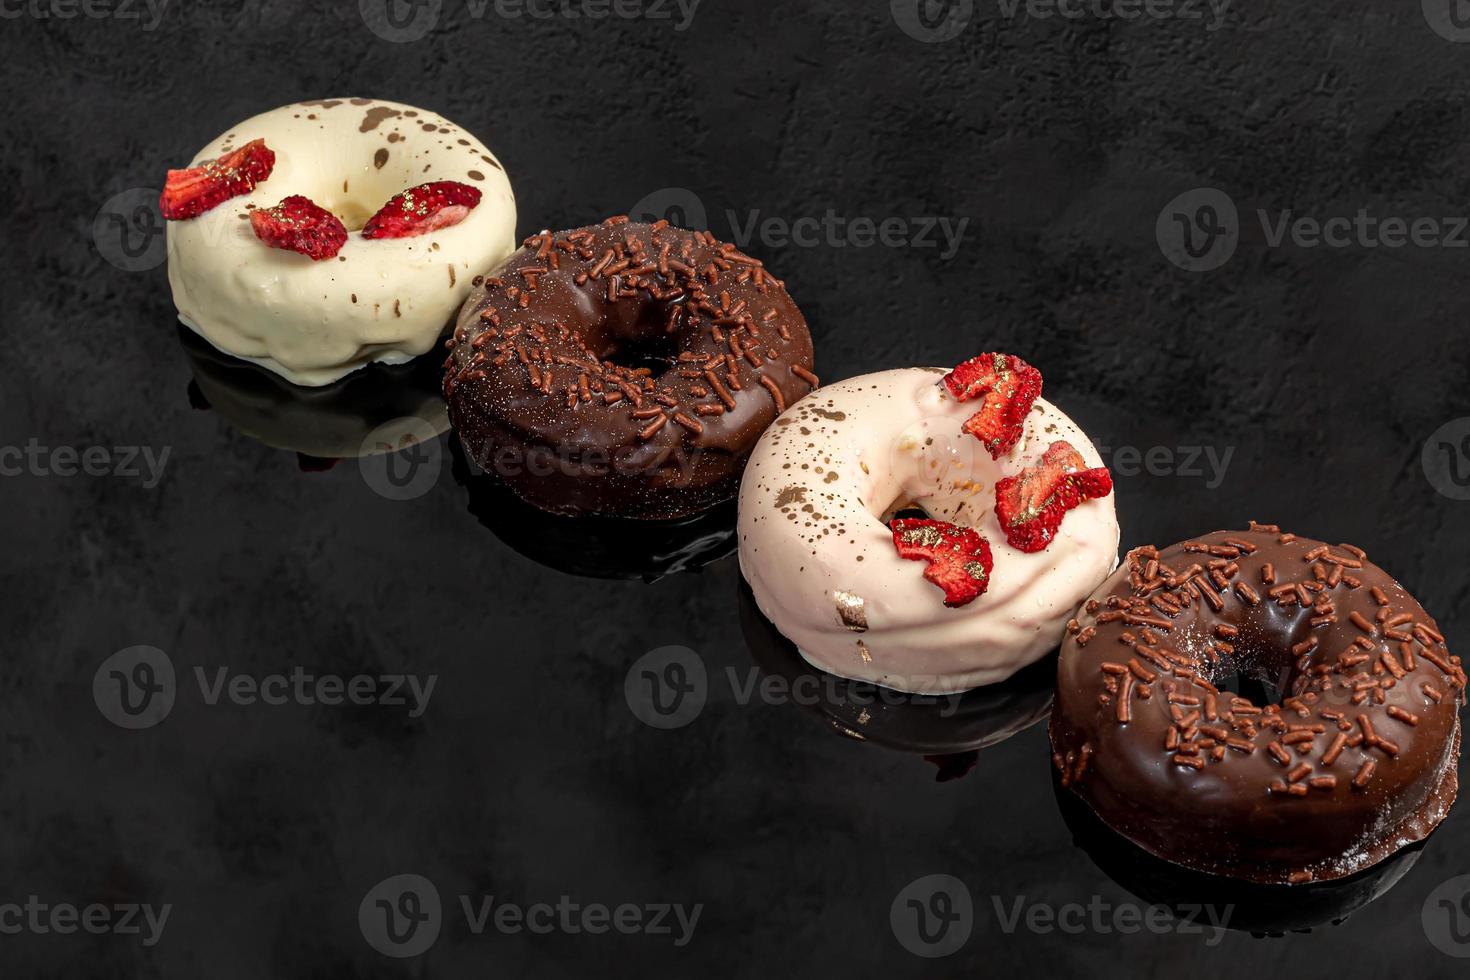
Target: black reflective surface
x=506 y=753
x=272 y=813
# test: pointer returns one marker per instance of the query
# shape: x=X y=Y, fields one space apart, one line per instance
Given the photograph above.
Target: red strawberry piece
x=189 y=193
x=299 y=225
x=1031 y=506
x=422 y=209
x=1008 y=386
x=959 y=558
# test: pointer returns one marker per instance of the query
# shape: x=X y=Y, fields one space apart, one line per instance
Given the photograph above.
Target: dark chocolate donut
x=1356 y=760
x=624 y=369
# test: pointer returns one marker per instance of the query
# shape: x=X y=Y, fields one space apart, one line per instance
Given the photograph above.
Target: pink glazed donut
x=826 y=568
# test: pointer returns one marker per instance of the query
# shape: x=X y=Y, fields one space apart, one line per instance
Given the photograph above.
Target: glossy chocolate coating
x=624 y=369
x=1235 y=811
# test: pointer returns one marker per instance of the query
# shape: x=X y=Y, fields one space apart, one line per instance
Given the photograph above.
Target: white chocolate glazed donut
x=385 y=299
x=822 y=564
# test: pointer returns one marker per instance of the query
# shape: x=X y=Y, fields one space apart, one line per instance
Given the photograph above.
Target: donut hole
x=1257 y=687
x=353 y=213
x=352 y=186
x=904 y=510
x=656 y=353
x=1256 y=671
x=642 y=335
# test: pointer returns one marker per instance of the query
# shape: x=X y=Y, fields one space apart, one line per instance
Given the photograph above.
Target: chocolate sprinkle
x=587 y=343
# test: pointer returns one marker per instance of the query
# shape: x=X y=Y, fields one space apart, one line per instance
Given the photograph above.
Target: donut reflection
x=377 y=409
x=1263 y=910
x=950 y=729
x=593 y=546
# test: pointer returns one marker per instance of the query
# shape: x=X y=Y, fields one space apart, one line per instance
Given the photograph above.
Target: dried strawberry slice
x=189 y=193
x=1031 y=506
x=422 y=209
x=297 y=224
x=959 y=558
x=1009 y=387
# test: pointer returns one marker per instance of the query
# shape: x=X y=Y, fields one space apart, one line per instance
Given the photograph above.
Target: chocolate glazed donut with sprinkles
x=1356 y=759
x=624 y=369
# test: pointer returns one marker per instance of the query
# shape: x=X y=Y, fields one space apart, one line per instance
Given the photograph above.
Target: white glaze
x=378 y=300
x=848 y=454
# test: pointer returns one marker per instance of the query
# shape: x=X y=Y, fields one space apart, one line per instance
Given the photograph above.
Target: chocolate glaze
x=1178 y=624
x=624 y=369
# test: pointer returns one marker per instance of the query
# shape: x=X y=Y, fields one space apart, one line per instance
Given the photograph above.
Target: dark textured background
x=1326 y=370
